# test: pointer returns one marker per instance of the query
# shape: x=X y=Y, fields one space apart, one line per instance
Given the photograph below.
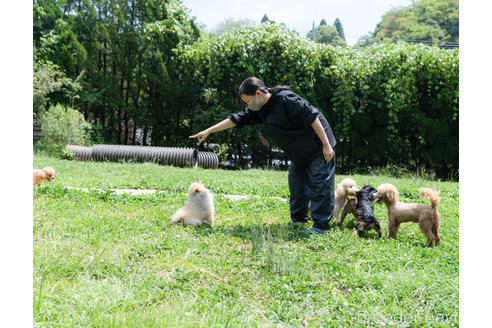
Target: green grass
x=102 y=260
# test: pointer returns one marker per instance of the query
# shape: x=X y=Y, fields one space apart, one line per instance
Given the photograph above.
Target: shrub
x=66 y=154
x=394 y=104
x=62 y=126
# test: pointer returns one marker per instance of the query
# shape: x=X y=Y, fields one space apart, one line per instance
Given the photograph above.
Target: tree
x=433 y=22
x=51 y=86
x=265 y=19
x=323 y=22
x=327 y=35
x=339 y=27
x=61 y=46
x=120 y=55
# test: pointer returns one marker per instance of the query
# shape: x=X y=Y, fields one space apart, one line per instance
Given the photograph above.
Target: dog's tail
x=179 y=215
x=430 y=195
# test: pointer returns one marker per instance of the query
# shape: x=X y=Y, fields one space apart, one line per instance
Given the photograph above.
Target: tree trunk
x=118 y=118
x=103 y=114
x=135 y=101
x=134 y=132
x=125 y=115
x=144 y=141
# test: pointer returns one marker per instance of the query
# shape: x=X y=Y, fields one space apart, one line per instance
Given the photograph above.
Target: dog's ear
x=340 y=192
x=392 y=195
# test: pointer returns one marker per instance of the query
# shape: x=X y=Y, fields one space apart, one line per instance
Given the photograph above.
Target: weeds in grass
x=107 y=260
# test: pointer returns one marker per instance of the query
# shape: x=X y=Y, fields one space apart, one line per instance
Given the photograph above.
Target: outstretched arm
x=225 y=124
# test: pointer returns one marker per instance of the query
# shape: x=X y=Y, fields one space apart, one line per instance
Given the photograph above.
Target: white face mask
x=256 y=106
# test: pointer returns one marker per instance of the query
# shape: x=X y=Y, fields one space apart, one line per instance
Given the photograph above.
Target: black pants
x=313 y=181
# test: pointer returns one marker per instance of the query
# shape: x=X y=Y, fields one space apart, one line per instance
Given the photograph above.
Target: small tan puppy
x=346 y=188
x=199 y=206
x=38 y=177
x=427 y=216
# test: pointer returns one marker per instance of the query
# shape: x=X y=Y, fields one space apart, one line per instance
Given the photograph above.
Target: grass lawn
x=106 y=260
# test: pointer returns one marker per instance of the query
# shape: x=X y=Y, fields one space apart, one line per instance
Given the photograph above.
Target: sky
x=358 y=17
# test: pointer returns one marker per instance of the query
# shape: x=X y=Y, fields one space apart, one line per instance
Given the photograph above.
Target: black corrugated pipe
x=161 y=155
x=81 y=153
x=207 y=160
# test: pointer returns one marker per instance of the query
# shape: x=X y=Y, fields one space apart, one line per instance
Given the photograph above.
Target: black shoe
x=314 y=230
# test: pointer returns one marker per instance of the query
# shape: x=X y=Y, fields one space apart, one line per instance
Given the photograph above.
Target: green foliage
x=329 y=35
x=429 y=21
x=96 y=134
x=265 y=19
x=51 y=86
x=129 y=65
x=107 y=260
x=67 y=154
x=339 y=27
x=388 y=104
x=120 y=54
x=398 y=104
x=60 y=126
x=60 y=45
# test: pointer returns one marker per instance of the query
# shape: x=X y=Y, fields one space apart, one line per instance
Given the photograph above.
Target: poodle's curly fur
x=347 y=187
x=362 y=208
x=427 y=216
